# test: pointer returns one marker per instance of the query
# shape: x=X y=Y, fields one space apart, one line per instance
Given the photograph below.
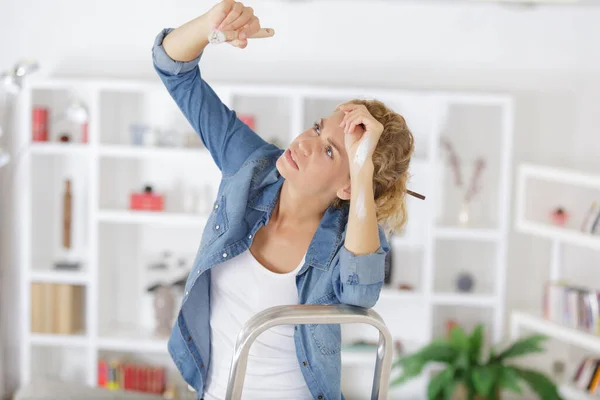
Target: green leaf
x=411 y=366
x=463 y=362
x=449 y=389
x=484 y=379
x=539 y=383
x=509 y=379
x=437 y=351
x=530 y=344
x=438 y=383
x=475 y=342
x=459 y=339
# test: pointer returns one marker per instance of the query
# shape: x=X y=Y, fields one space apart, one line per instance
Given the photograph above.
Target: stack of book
x=573 y=306
x=57 y=308
x=119 y=375
x=587 y=376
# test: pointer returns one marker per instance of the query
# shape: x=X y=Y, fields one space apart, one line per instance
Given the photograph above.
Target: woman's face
x=316 y=163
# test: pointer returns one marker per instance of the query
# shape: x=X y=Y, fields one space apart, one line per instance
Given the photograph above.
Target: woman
x=299 y=226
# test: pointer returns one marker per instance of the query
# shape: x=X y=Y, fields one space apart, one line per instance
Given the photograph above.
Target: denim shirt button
x=224 y=255
x=217 y=227
x=320 y=397
x=249 y=236
x=304 y=363
x=216 y=206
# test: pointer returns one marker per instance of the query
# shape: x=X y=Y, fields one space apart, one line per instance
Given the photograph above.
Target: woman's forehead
x=337 y=115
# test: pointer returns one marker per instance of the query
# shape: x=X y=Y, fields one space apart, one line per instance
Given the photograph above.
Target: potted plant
x=469 y=374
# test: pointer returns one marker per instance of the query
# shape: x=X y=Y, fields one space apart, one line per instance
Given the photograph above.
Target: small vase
x=164 y=311
x=464 y=214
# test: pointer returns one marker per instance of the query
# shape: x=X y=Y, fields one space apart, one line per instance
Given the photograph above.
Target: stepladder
x=312 y=314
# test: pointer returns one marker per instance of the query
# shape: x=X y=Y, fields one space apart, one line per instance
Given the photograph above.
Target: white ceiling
x=539 y=3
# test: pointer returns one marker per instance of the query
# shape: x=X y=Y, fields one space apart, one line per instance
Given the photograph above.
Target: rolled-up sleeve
x=167 y=64
x=366 y=269
x=360 y=277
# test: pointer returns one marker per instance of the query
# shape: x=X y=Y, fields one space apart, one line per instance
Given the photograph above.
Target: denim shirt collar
x=329 y=234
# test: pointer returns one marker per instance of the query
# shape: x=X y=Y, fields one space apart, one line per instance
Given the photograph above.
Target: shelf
x=478 y=234
x=572 y=336
x=140 y=152
x=571 y=393
x=565 y=235
x=48 y=339
x=470 y=300
x=57 y=148
x=133 y=344
x=554 y=174
x=68 y=277
x=149 y=217
x=117 y=245
x=395 y=294
x=587 y=186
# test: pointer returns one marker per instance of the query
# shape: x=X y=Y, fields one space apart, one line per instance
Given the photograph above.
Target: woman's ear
x=344 y=193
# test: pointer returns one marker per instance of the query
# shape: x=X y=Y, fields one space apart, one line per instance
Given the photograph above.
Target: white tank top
x=240 y=288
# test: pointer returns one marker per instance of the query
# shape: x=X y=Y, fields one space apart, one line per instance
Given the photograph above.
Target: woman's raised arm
x=176 y=55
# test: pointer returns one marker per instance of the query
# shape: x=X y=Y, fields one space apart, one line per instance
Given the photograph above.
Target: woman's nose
x=305 y=146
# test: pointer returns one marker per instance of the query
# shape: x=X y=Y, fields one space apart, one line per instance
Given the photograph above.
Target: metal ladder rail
x=311 y=314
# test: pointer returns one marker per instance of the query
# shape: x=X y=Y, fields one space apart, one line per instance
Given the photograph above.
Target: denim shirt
x=248 y=191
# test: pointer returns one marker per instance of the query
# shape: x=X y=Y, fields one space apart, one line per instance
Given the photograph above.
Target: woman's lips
x=288 y=156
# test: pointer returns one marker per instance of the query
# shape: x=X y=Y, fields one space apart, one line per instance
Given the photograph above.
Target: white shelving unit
x=572 y=393
x=577 y=337
x=115 y=241
x=530 y=220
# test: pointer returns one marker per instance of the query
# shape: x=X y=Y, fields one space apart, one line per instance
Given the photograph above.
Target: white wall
x=548 y=58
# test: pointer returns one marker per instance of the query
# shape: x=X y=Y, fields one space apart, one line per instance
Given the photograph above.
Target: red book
x=39 y=124
x=102 y=373
x=127 y=376
x=152 y=376
x=148 y=378
x=161 y=381
x=139 y=378
x=144 y=383
x=131 y=377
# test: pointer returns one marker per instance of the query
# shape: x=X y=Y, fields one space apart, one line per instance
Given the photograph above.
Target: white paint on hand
x=216 y=37
x=362 y=152
x=361 y=211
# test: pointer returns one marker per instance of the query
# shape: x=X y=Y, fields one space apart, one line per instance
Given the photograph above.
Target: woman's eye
x=328 y=149
x=317 y=128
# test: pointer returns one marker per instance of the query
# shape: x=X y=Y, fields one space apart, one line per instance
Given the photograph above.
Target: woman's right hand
x=237 y=22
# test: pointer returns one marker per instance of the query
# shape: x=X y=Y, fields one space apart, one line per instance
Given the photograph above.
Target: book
x=573 y=306
x=587 y=376
x=118 y=374
x=37 y=307
x=69 y=301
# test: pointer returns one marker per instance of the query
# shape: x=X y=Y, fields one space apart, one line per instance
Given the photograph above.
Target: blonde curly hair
x=391 y=160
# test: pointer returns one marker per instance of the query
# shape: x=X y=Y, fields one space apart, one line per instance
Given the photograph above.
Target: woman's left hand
x=362 y=132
